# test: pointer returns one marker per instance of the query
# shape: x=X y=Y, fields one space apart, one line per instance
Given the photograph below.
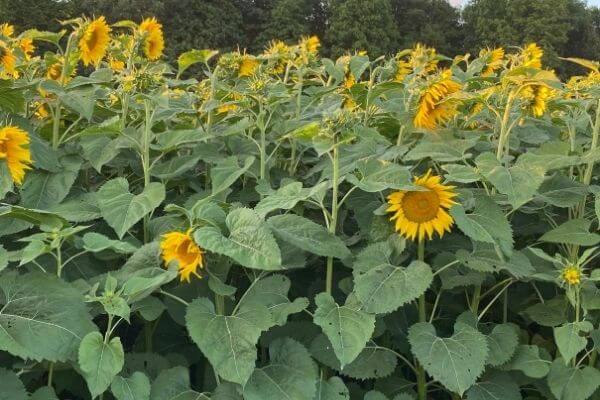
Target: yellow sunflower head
x=310 y=44
x=571 y=275
x=435 y=106
x=493 y=60
x=536 y=98
x=116 y=65
x=180 y=247
x=420 y=213
x=153 y=42
x=532 y=56
x=94 y=41
x=280 y=54
x=7 y=30
x=423 y=57
x=7 y=59
x=14 y=149
x=247 y=66
x=27 y=47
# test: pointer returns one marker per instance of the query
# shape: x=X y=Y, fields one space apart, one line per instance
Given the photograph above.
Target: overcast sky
x=459 y=2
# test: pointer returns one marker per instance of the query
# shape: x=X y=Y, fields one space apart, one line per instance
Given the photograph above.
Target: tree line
x=567 y=28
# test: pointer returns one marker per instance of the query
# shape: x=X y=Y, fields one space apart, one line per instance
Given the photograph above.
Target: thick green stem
x=476 y=299
x=145 y=156
x=334 y=214
x=421 y=378
x=503 y=139
x=50 y=374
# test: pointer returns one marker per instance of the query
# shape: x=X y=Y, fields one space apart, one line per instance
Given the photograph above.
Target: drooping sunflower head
x=94 y=41
x=15 y=151
x=153 y=39
x=532 y=55
x=180 y=247
x=536 y=98
x=421 y=213
x=27 y=47
x=493 y=59
x=424 y=58
x=435 y=105
x=310 y=44
x=7 y=30
x=571 y=275
x=7 y=59
x=116 y=64
x=247 y=65
x=279 y=54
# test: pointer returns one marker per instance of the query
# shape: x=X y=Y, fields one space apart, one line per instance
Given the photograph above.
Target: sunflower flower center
x=421 y=206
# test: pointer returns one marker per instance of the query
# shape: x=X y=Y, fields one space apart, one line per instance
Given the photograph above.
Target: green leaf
x=561 y=191
x=377 y=175
x=44 y=393
x=442 y=150
x=373 y=362
x=487 y=223
x=519 y=182
x=42 y=189
x=569 y=383
x=3 y=258
x=461 y=173
x=332 y=389
x=100 y=362
x=99 y=150
x=375 y=395
x=96 y=242
x=229 y=342
x=575 y=231
x=41 y=316
x=175 y=167
x=347 y=327
x=383 y=287
x=136 y=387
x=569 y=340
x=6 y=182
x=502 y=344
x=122 y=209
x=291 y=374
x=12 y=387
x=174 y=384
x=457 y=361
x=527 y=359
x=250 y=243
x=226 y=172
x=495 y=386
x=189 y=58
x=286 y=197
x=308 y=236
x=272 y=293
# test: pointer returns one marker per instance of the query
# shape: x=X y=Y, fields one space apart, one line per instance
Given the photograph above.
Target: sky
x=460 y=2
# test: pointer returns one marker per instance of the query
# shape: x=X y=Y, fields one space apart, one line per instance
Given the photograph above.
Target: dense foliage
x=288 y=226
x=562 y=27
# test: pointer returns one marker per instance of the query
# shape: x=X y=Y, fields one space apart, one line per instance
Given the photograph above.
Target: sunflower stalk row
x=286 y=226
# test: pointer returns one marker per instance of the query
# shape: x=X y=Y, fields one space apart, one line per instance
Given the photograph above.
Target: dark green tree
x=361 y=25
x=39 y=14
x=432 y=22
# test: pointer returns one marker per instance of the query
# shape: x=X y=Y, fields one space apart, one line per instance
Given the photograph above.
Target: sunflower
x=154 y=42
x=280 y=53
x=180 y=247
x=421 y=212
x=27 y=47
x=493 y=60
x=310 y=44
x=94 y=41
x=247 y=66
x=7 y=30
x=435 y=106
x=116 y=65
x=537 y=97
x=532 y=56
x=7 y=59
x=571 y=275
x=13 y=149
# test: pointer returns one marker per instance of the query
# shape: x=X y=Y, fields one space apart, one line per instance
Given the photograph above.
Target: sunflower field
x=284 y=226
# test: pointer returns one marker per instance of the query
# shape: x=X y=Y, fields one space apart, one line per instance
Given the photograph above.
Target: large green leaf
x=229 y=342
x=572 y=383
x=250 y=243
x=272 y=292
x=377 y=175
x=347 y=327
x=286 y=197
x=574 y=231
x=456 y=361
x=12 y=387
x=308 y=235
x=495 y=386
x=122 y=209
x=528 y=360
x=332 y=389
x=383 y=287
x=291 y=374
x=226 y=172
x=441 y=150
x=174 y=384
x=502 y=343
x=136 y=387
x=100 y=361
x=569 y=340
x=487 y=223
x=41 y=316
